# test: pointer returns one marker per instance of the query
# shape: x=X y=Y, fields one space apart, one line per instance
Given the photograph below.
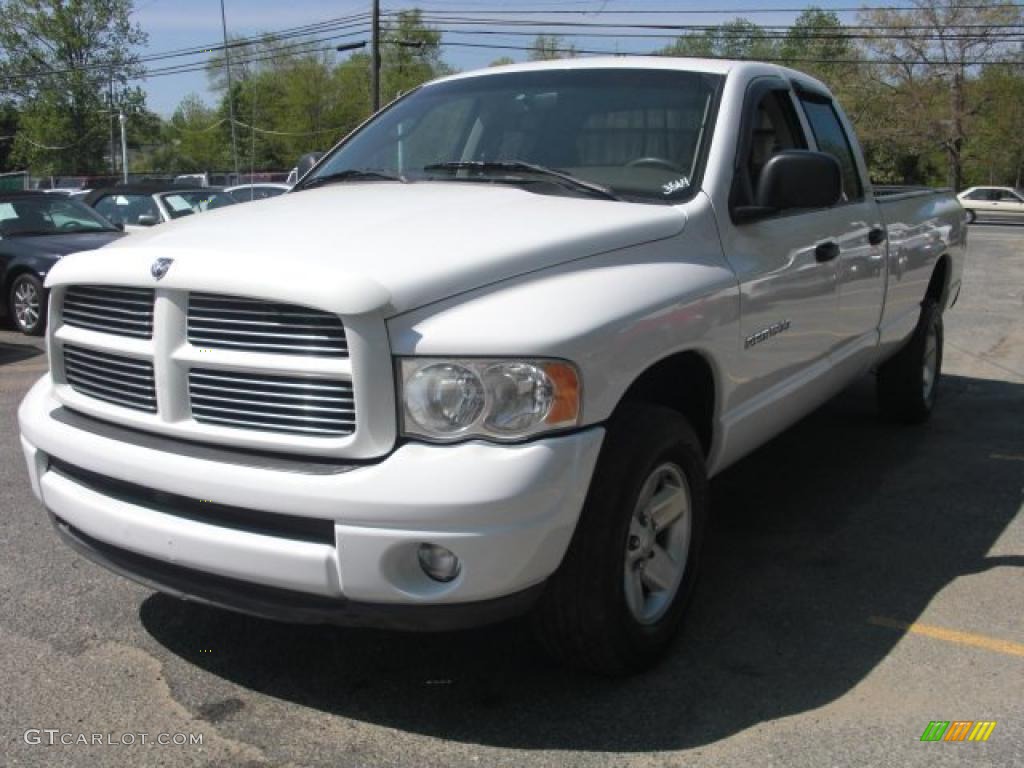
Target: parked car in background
x=993 y=203
x=138 y=206
x=36 y=230
x=192 y=179
x=245 y=193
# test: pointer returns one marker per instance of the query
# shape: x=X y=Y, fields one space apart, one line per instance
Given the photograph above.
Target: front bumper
x=174 y=515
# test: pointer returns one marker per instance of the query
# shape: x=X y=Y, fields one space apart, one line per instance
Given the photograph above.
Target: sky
x=175 y=24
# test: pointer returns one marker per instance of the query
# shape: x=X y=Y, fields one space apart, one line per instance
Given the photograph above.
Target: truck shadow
x=15 y=353
x=841 y=519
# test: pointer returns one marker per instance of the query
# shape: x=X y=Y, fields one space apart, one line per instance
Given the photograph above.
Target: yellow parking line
x=952 y=636
x=1006 y=457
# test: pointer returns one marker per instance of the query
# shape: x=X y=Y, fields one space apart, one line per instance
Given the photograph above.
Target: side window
x=831 y=138
x=978 y=194
x=774 y=127
x=127 y=208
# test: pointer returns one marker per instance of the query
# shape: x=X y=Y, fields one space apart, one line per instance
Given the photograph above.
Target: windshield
x=636 y=132
x=180 y=204
x=49 y=215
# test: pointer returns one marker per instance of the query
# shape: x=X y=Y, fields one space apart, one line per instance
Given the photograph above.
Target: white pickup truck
x=484 y=358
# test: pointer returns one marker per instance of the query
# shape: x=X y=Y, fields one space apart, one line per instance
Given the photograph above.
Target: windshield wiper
x=567 y=179
x=351 y=174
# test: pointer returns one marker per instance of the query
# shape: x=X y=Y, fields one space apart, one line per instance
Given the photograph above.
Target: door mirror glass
x=146 y=220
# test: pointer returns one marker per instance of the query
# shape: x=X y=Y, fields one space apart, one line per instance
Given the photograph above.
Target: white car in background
x=992 y=203
x=138 y=206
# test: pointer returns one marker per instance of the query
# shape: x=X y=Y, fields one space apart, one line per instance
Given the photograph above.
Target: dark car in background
x=144 y=205
x=36 y=230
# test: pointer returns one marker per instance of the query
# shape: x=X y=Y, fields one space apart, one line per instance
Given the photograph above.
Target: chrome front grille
x=229 y=322
x=110 y=309
x=314 y=407
x=116 y=379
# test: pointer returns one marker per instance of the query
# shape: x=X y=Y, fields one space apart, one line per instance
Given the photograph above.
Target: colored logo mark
x=958 y=730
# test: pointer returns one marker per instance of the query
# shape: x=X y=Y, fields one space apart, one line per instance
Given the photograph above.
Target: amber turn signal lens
x=566 y=408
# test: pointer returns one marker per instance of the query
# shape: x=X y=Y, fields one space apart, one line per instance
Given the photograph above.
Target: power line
x=769 y=59
x=758 y=35
x=358 y=25
x=297 y=48
x=718 y=11
x=548 y=23
x=358 y=29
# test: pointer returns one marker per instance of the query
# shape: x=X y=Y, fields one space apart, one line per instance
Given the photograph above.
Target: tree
x=550 y=47
x=995 y=154
x=736 y=39
x=406 y=66
x=8 y=129
x=818 y=44
x=293 y=97
x=66 y=61
x=191 y=141
x=501 y=61
x=925 y=59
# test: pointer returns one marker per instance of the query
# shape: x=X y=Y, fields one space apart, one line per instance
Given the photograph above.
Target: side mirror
x=795 y=179
x=146 y=220
x=118 y=224
x=306 y=163
x=799 y=178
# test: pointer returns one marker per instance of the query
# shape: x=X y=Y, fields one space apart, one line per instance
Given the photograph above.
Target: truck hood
x=374 y=246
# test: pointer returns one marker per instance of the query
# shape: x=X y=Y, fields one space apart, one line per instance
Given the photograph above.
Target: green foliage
x=192 y=141
x=925 y=71
x=736 y=39
x=84 y=47
x=8 y=128
x=290 y=98
x=995 y=153
x=923 y=112
x=550 y=47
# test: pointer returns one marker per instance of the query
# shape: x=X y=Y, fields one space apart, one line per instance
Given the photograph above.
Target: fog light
x=439 y=563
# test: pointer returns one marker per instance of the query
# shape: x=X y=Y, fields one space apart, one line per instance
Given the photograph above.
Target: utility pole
x=113 y=151
x=231 y=95
x=124 y=145
x=375 y=65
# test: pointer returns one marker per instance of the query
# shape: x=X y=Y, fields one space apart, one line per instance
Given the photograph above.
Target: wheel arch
x=938 y=285
x=686 y=383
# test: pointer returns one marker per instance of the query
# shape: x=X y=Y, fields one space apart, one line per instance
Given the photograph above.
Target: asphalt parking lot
x=862 y=579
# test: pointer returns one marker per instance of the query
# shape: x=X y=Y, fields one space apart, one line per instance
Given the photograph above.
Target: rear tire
x=619 y=596
x=27 y=303
x=907 y=383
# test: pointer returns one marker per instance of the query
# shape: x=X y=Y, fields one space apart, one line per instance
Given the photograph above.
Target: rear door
x=1005 y=204
x=856 y=226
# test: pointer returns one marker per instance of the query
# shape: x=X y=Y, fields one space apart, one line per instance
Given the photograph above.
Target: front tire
x=907 y=382
x=27 y=302
x=971 y=216
x=619 y=596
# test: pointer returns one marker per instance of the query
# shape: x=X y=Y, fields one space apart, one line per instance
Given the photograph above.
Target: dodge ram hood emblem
x=160 y=267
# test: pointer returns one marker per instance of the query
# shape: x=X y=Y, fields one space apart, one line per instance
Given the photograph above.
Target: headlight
x=496 y=399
